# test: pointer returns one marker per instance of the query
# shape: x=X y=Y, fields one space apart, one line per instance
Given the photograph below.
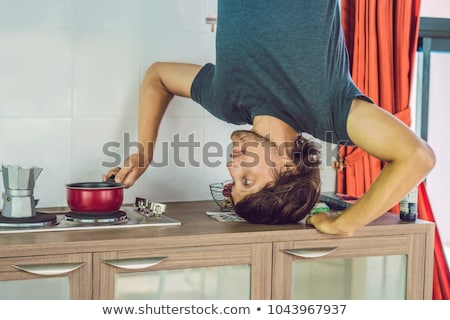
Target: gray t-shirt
x=284 y=58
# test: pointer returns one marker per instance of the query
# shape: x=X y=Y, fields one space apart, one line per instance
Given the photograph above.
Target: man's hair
x=292 y=195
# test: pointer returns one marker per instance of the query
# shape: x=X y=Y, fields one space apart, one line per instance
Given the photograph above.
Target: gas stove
x=65 y=220
x=19 y=213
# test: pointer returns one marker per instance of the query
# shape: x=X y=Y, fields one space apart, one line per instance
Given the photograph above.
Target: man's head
x=273 y=184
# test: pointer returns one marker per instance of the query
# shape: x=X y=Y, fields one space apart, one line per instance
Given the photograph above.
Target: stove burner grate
x=118 y=217
x=39 y=220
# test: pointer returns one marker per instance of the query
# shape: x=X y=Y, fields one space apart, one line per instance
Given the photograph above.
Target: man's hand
x=162 y=81
x=134 y=166
x=326 y=222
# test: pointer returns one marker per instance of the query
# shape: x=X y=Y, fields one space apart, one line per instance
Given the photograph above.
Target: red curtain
x=441 y=274
x=381 y=38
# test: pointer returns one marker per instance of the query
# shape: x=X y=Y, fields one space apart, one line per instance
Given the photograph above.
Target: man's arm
x=409 y=159
x=161 y=83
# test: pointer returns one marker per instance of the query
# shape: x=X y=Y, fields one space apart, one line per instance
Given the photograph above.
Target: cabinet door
x=210 y=272
x=351 y=268
x=53 y=277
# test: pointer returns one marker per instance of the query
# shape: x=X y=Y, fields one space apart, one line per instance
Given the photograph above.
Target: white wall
x=439 y=113
x=435 y=8
x=70 y=72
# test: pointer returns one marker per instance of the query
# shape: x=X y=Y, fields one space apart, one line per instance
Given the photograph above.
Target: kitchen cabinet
x=208 y=272
x=49 y=277
x=207 y=259
x=378 y=267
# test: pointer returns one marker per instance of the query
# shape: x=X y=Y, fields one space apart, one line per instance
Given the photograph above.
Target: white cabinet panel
x=216 y=283
x=382 y=277
x=36 y=289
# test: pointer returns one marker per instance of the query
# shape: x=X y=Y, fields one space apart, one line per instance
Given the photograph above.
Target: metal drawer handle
x=311 y=252
x=135 y=264
x=49 y=269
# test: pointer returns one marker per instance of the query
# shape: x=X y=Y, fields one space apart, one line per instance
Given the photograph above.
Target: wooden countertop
x=197 y=229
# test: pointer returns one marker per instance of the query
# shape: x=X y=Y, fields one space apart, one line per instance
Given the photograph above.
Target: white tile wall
x=105 y=73
x=35 y=73
x=70 y=72
x=42 y=142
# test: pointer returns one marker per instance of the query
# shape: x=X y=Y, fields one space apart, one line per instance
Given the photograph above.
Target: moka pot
x=19 y=182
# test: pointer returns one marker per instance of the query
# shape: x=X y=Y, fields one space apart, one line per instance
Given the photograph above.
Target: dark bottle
x=408 y=206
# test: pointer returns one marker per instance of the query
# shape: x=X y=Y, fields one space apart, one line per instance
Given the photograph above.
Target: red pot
x=95 y=197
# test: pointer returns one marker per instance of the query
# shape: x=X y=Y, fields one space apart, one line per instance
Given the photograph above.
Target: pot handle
x=111 y=179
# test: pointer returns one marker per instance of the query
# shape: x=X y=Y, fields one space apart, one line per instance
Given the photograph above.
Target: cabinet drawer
x=158 y=268
x=346 y=247
x=350 y=268
x=47 y=277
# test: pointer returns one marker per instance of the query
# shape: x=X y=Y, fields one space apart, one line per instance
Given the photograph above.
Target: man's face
x=255 y=162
